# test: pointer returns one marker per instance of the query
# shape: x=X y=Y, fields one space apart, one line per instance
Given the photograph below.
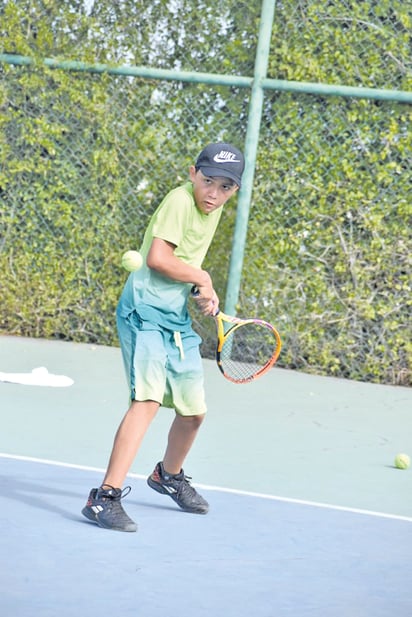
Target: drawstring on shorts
x=179 y=344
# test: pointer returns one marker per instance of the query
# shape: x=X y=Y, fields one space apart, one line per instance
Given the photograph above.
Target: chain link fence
x=87 y=157
x=364 y=44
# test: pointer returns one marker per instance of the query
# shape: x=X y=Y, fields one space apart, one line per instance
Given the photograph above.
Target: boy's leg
x=181 y=437
x=168 y=477
x=185 y=392
x=128 y=439
x=103 y=506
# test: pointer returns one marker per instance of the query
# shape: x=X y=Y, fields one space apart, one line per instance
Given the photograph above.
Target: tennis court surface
x=308 y=514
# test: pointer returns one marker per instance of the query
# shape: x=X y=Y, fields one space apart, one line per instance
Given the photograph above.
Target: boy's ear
x=192 y=172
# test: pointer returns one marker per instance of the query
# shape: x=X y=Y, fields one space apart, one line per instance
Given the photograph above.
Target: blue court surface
x=287 y=533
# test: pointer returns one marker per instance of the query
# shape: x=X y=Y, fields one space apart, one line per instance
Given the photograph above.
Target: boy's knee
x=194 y=421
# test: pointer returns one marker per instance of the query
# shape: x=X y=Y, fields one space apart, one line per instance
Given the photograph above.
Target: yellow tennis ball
x=402 y=461
x=132 y=261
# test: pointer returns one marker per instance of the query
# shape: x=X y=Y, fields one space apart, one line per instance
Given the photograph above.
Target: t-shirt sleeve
x=172 y=218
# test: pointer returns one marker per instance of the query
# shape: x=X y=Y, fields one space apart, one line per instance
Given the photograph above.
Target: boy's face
x=211 y=192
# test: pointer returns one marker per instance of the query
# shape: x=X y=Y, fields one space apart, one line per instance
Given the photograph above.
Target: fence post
x=251 y=145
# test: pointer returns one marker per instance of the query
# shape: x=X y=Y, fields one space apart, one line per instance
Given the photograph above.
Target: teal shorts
x=162 y=366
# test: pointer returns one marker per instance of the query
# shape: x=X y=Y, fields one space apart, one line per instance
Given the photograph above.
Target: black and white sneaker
x=104 y=508
x=179 y=489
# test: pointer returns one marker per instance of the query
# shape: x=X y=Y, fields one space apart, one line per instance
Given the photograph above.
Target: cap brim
x=216 y=172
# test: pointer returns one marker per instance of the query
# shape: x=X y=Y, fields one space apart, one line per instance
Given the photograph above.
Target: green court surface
x=289 y=434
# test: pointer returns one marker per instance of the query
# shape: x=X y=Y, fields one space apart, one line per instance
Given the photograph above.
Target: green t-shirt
x=156 y=298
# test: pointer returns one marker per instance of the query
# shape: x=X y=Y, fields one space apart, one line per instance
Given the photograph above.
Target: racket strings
x=247 y=350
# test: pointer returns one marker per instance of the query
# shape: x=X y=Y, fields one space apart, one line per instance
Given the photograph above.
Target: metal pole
x=400 y=96
x=251 y=146
x=133 y=71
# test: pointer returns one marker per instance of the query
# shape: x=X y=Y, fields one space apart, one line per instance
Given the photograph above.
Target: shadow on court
x=308 y=515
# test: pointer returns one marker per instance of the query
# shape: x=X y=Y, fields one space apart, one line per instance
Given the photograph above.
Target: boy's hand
x=207 y=300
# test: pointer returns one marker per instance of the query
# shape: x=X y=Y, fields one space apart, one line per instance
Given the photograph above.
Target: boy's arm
x=161 y=257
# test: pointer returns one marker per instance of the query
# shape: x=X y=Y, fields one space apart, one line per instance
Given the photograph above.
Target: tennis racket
x=246 y=348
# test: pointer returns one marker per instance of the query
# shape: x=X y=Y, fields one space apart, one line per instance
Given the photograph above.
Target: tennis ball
x=402 y=461
x=132 y=260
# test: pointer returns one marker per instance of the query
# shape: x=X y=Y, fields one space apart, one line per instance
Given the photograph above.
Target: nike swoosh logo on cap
x=225 y=157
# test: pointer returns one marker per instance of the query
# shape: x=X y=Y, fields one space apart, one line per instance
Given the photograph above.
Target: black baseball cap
x=223 y=160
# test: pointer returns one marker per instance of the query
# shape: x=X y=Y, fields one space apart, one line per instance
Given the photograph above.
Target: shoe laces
x=180 y=481
x=115 y=494
x=185 y=486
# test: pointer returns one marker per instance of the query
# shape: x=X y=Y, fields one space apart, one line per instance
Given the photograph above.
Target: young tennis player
x=159 y=347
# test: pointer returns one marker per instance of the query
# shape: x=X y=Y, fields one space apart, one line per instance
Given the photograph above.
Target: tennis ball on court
x=402 y=461
x=132 y=260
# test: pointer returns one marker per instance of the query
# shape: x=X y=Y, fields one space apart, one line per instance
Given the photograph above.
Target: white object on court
x=38 y=377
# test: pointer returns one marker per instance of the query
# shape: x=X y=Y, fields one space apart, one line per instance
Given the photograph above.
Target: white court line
x=221 y=489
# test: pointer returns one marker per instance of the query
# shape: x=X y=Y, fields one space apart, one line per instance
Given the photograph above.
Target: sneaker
x=179 y=489
x=104 y=508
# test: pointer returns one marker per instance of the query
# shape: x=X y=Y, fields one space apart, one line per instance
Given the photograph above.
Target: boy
x=159 y=348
